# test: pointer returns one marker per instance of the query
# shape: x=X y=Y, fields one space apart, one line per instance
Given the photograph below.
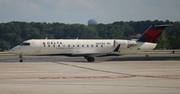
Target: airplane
x=89 y=48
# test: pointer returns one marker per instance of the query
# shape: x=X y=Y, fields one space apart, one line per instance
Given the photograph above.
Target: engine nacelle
x=122 y=43
x=131 y=43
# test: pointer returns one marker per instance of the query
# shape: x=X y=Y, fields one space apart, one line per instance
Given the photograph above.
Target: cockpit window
x=25 y=44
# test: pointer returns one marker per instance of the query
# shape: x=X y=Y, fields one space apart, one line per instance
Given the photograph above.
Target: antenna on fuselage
x=46 y=38
x=77 y=38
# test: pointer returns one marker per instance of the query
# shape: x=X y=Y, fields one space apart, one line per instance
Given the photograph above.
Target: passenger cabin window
x=25 y=44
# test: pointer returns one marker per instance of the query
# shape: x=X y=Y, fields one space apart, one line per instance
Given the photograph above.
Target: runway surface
x=108 y=75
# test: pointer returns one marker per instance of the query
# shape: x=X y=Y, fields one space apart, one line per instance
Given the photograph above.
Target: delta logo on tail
x=153 y=33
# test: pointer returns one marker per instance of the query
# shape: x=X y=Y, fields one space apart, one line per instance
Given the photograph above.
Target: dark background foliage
x=13 y=33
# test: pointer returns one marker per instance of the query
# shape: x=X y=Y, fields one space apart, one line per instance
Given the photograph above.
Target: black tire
x=21 y=60
x=90 y=59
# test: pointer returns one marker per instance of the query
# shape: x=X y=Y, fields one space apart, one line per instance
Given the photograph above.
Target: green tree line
x=13 y=33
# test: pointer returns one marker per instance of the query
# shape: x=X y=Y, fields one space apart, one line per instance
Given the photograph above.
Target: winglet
x=152 y=34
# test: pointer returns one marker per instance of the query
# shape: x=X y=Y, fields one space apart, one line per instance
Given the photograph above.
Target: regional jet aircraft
x=89 y=48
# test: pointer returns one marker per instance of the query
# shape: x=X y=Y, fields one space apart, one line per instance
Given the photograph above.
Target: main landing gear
x=20 y=58
x=89 y=59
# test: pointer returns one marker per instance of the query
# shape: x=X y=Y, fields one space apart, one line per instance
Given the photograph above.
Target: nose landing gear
x=20 y=58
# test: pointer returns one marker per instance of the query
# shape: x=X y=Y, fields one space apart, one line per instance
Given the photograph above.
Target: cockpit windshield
x=25 y=44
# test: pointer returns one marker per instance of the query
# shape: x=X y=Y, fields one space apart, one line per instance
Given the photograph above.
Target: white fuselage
x=80 y=47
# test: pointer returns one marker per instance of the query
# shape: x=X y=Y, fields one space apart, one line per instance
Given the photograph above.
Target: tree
x=4 y=45
x=13 y=33
x=163 y=42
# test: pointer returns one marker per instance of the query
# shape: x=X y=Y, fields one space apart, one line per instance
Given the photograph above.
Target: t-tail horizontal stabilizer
x=153 y=33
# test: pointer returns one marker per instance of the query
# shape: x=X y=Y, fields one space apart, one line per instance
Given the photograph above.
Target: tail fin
x=152 y=34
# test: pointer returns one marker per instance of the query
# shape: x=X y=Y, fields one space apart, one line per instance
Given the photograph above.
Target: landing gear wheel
x=21 y=58
x=90 y=59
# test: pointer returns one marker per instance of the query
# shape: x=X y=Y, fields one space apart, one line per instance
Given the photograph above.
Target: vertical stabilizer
x=153 y=33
